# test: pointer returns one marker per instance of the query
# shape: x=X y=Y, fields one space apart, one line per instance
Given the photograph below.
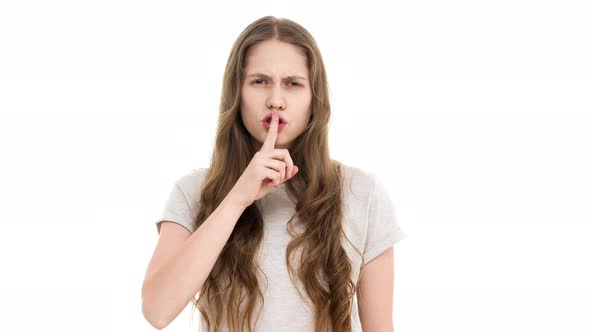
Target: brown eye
x=296 y=83
x=256 y=81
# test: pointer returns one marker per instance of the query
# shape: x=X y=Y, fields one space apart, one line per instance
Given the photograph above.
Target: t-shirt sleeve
x=383 y=230
x=179 y=208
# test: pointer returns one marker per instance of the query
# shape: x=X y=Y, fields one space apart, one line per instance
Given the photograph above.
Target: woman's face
x=276 y=76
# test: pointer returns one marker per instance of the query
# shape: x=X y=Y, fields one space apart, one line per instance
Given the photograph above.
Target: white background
x=474 y=113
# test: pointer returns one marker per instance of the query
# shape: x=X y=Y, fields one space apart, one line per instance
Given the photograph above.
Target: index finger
x=271 y=136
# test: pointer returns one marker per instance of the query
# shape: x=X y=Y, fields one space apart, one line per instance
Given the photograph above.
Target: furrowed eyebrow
x=290 y=77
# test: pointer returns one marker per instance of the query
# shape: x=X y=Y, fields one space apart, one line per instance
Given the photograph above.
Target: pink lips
x=268 y=118
x=267 y=125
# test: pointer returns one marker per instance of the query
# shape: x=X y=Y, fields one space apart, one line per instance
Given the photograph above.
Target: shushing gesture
x=268 y=169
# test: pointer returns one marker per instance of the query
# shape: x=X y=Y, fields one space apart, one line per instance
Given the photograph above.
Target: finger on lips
x=269 y=145
x=271 y=136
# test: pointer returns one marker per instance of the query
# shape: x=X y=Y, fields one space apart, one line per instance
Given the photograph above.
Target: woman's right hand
x=268 y=169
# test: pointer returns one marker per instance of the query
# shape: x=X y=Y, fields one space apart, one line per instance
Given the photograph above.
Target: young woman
x=275 y=235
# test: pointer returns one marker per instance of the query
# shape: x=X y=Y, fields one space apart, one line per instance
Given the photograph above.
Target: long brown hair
x=325 y=270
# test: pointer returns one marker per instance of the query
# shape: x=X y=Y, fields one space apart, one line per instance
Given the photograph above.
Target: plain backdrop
x=474 y=113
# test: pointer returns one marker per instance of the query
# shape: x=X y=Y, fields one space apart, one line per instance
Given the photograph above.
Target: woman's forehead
x=276 y=58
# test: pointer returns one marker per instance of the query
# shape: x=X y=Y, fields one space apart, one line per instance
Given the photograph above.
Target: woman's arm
x=375 y=294
x=173 y=279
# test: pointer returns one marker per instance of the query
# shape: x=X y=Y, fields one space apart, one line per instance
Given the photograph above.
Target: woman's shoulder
x=357 y=184
x=190 y=182
x=192 y=175
x=357 y=175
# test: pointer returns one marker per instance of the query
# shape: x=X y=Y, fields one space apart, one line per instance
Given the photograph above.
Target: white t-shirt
x=370 y=223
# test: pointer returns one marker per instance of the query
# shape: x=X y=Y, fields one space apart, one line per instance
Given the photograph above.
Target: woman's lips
x=269 y=118
x=267 y=125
